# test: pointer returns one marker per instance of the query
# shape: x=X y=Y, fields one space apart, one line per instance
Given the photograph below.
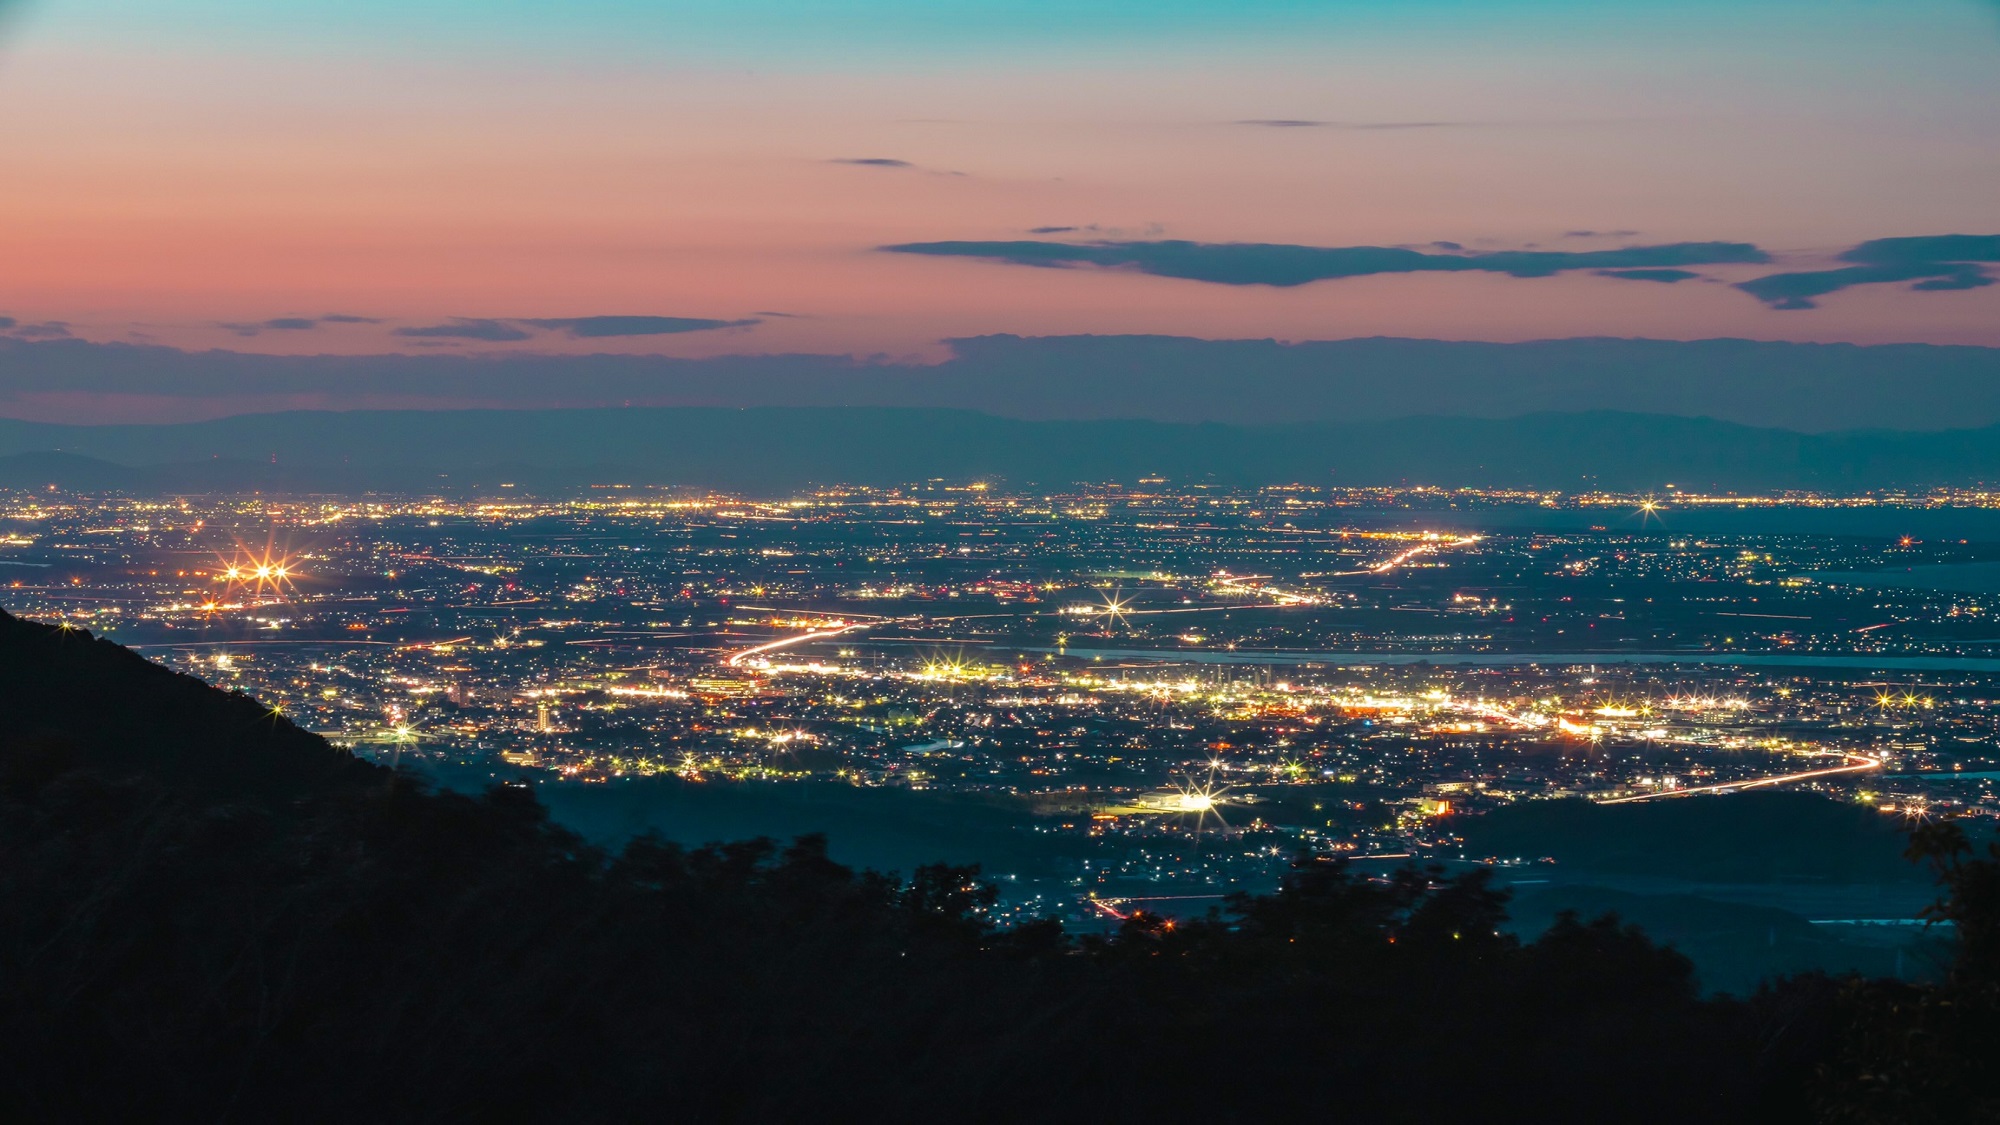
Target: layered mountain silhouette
x=777 y=449
x=1813 y=388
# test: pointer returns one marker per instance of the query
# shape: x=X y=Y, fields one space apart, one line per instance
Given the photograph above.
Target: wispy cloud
x=1361 y=126
x=507 y=330
x=893 y=164
x=1668 y=276
x=467 y=328
x=597 y=327
x=295 y=323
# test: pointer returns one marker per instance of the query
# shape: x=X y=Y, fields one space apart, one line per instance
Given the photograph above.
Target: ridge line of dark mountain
x=10 y=343
x=1314 y=424
x=71 y=692
x=1814 y=387
x=779 y=447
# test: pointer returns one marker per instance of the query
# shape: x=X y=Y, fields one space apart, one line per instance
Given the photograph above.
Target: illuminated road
x=1866 y=765
x=1431 y=545
x=1402 y=558
x=1235 y=585
x=1109 y=906
x=736 y=659
x=1115 y=610
x=1395 y=561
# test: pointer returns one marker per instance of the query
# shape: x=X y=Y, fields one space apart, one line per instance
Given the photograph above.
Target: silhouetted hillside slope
x=63 y=690
x=334 y=943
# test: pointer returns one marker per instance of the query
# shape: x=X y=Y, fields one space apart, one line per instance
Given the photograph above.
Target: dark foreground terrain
x=209 y=914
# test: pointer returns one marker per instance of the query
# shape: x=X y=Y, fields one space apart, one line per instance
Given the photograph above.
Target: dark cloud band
x=1936 y=263
x=1277 y=264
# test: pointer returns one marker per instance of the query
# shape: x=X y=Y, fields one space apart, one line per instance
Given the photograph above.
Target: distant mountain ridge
x=1808 y=387
x=779 y=449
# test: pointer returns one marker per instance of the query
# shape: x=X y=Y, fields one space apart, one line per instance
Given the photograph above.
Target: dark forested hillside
x=66 y=696
x=207 y=914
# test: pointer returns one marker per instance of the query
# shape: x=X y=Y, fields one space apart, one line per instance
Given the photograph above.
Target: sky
x=876 y=177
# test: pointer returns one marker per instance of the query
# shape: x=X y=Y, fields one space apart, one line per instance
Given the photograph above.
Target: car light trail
x=1866 y=765
x=1403 y=557
x=1237 y=585
x=736 y=660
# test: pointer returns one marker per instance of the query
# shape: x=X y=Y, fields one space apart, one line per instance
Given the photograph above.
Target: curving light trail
x=1237 y=585
x=1425 y=548
x=1431 y=545
x=1866 y=765
x=736 y=659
